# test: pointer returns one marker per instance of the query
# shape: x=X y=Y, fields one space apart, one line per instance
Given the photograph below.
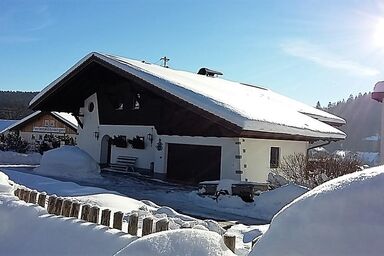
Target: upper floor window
x=136 y=101
x=274 y=158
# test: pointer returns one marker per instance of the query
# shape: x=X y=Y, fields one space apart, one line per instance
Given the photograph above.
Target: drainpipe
x=319 y=145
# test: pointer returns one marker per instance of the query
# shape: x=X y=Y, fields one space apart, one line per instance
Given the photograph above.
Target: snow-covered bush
x=315 y=171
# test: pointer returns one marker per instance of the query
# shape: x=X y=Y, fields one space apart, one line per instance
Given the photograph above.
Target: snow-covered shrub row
x=315 y=171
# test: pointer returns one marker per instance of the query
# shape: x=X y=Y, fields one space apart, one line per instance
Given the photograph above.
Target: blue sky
x=307 y=50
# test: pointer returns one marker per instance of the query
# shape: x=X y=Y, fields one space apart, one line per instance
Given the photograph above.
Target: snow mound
x=193 y=242
x=68 y=161
x=28 y=230
x=14 y=158
x=343 y=216
x=5 y=186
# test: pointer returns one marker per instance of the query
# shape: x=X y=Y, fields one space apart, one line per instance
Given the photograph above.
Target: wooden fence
x=72 y=208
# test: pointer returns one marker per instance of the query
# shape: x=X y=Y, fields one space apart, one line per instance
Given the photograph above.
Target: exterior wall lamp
x=97 y=134
x=150 y=138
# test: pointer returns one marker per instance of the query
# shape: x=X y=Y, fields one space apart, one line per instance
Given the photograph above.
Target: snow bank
x=341 y=217
x=193 y=242
x=14 y=158
x=28 y=230
x=5 y=185
x=68 y=161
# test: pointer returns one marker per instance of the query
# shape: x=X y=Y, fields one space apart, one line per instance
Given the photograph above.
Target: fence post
x=21 y=194
x=94 y=214
x=85 y=212
x=26 y=194
x=51 y=204
x=75 y=209
x=118 y=220
x=58 y=206
x=67 y=207
x=41 y=200
x=133 y=223
x=162 y=225
x=230 y=242
x=147 y=226
x=105 y=217
x=32 y=197
x=16 y=192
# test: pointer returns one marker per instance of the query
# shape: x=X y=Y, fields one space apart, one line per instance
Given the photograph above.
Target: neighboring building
x=4 y=124
x=34 y=127
x=187 y=126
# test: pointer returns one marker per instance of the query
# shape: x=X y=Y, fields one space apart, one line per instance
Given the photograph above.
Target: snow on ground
x=68 y=161
x=72 y=164
x=341 y=217
x=191 y=242
x=28 y=229
x=10 y=158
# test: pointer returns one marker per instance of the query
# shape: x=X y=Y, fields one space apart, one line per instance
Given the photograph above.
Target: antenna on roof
x=165 y=60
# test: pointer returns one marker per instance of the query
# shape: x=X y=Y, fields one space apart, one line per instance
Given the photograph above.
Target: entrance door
x=193 y=163
x=105 y=152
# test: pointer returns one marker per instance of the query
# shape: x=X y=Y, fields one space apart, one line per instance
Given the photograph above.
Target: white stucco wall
x=256 y=156
x=242 y=159
x=86 y=139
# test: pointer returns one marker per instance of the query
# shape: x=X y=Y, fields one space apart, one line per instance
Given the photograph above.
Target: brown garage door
x=193 y=163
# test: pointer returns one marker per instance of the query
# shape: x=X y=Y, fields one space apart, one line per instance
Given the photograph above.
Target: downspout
x=320 y=145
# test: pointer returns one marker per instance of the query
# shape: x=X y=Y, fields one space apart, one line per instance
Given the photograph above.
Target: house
x=185 y=126
x=38 y=125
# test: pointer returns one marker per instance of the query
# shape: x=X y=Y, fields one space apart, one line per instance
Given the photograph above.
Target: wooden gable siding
x=168 y=117
x=39 y=121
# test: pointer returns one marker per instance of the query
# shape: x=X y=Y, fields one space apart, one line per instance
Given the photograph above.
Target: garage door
x=193 y=163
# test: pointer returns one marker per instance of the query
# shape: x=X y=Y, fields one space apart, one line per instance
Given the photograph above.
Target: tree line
x=14 y=104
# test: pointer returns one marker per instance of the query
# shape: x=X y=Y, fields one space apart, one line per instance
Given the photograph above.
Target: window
x=46 y=123
x=52 y=123
x=274 y=157
x=91 y=107
x=136 y=102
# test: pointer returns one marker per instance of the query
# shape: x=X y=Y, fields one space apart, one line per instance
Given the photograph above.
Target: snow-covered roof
x=4 y=124
x=249 y=107
x=64 y=117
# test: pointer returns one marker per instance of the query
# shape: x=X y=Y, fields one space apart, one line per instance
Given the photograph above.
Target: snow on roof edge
x=233 y=117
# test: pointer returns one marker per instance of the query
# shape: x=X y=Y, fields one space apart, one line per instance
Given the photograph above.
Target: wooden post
x=75 y=209
x=41 y=200
x=51 y=204
x=118 y=220
x=94 y=214
x=105 y=217
x=133 y=223
x=147 y=226
x=230 y=242
x=58 y=206
x=21 y=194
x=67 y=207
x=85 y=212
x=16 y=192
x=26 y=194
x=162 y=225
x=32 y=197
